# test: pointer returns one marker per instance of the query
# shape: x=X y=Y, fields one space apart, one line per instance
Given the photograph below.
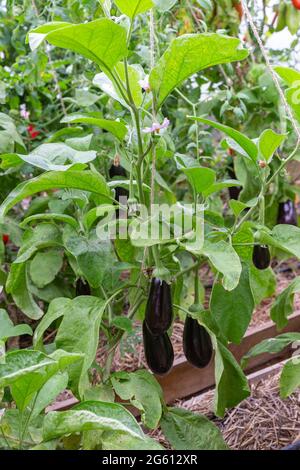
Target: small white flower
x=156 y=127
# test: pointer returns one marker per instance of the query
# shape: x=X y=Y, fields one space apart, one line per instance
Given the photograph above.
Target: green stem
x=197 y=286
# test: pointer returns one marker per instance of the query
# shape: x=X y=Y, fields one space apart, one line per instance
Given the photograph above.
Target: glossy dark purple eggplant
x=234 y=191
x=159 y=310
x=197 y=345
x=82 y=288
x=261 y=256
x=117 y=170
x=287 y=213
x=158 y=351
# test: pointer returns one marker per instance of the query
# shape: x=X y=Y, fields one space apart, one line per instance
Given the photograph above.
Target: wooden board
x=184 y=380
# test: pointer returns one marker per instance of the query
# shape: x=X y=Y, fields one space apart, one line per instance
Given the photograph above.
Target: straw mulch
x=262 y=422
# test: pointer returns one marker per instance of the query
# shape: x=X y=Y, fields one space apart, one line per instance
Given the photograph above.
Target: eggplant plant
x=87 y=263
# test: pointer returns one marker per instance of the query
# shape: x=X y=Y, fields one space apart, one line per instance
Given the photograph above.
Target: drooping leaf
x=271 y=345
x=55 y=310
x=284 y=237
x=187 y=55
x=144 y=393
x=118 y=129
x=283 y=306
x=232 y=310
x=290 y=377
x=186 y=430
x=231 y=383
x=226 y=261
x=18 y=286
x=51 y=157
x=119 y=429
x=79 y=333
x=269 y=142
x=84 y=180
x=9 y=330
x=67 y=219
x=219 y=185
x=49 y=391
x=106 y=83
x=102 y=41
x=263 y=283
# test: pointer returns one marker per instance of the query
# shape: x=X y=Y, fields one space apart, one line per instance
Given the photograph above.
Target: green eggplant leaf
x=189 y=54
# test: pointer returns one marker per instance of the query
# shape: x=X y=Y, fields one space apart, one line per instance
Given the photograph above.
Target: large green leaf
x=283 y=305
x=79 y=333
x=7 y=328
x=49 y=391
x=18 y=286
x=94 y=256
x=7 y=123
x=144 y=393
x=43 y=236
x=132 y=8
x=51 y=157
x=271 y=345
x=232 y=310
x=118 y=129
x=106 y=83
x=187 y=55
x=84 y=180
x=231 y=383
x=269 y=142
x=119 y=429
x=263 y=283
x=190 y=431
x=45 y=266
x=243 y=141
x=290 y=76
x=25 y=372
x=102 y=41
x=200 y=178
x=284 y=237
x=290 y=377
x=225 y=259
x=56 y=310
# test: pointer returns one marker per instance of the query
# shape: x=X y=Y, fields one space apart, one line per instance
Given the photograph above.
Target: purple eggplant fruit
x=197 y=345
x=158 y=350
x=159 y=310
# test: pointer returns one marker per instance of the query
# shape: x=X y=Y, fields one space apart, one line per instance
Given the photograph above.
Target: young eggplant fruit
x=287 y=213
x=82 y=288
x=261 y=257
x=158 y=350
x=117 y=170
x=197 y=345
x=159 y=310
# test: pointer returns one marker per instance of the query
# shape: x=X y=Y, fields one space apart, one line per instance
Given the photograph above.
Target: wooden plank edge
x=184 y=380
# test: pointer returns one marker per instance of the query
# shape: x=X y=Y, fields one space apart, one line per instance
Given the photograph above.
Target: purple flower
x=23 y=112
x=156 y=127
x=145 y=84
